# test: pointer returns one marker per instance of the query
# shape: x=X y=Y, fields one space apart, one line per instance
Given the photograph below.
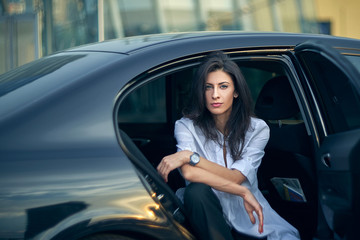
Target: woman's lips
x=216 y=105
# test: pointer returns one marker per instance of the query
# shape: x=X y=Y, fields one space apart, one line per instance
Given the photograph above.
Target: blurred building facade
x=30 y=29
x=342 y=16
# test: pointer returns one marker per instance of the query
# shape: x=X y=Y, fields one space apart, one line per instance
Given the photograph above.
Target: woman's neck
x=220 y=123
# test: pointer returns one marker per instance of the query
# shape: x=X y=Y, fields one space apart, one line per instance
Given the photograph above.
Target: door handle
x=326 y=159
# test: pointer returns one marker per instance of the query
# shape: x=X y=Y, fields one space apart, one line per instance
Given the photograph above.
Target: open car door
x=335 y=86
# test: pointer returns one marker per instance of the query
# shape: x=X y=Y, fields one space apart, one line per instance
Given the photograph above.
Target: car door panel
x=335 y=83
x=338 y=180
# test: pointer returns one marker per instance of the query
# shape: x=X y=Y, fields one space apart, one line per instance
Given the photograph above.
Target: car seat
x=287 y=155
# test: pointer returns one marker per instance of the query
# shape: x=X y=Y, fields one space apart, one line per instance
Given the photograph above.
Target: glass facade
x=30 y=29
x=69 y=23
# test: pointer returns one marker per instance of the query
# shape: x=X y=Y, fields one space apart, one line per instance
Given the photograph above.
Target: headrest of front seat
x=276 y=100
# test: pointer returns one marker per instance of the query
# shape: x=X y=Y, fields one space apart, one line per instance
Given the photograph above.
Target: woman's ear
x=236 y=94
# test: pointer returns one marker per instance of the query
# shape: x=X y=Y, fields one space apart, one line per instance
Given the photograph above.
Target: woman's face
x=219 y=94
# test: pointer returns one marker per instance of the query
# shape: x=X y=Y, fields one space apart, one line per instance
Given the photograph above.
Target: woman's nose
x=215 y=94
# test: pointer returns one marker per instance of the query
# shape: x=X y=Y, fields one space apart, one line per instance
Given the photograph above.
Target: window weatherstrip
x=302 y=93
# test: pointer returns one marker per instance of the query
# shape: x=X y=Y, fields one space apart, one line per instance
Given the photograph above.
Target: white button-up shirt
x=190 y=137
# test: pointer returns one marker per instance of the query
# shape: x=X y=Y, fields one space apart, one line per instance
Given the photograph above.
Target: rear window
x=30 y=72
x=32 y=82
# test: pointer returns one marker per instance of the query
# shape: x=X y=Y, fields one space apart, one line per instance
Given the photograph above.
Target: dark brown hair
x=240 y=117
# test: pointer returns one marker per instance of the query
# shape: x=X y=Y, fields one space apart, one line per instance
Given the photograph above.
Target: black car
x=82 y=131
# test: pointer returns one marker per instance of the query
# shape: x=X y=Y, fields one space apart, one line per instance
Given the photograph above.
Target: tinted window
x=146 y=104
x=32 y=82
x=256 y=78
x=338 y=99
x=30 y=72
x=163 y=99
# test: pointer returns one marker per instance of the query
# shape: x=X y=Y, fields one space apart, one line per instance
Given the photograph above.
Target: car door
x=334 y=86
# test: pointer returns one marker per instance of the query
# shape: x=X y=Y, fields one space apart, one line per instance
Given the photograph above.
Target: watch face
x=195 y=158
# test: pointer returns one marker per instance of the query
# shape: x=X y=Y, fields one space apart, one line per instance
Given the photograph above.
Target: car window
x=337 y=97
x=163 y=99
x=256 y=78
x=30 y=72
x=146 y=104
x=33 y=81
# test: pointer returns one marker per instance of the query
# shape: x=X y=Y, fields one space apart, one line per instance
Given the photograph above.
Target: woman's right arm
x=195 y=174
x=178 y=159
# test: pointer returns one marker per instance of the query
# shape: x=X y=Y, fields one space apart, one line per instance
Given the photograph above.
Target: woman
x=220 y=147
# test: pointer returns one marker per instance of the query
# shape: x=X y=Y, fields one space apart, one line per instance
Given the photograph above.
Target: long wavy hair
x=240 y=117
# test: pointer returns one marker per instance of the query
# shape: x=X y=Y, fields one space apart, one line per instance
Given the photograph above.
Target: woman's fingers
x=260 y=217
x=252 y=218
x=169 y=163
x=163 y=169
x=261 y=221
x=251 y=205
x=259 y=212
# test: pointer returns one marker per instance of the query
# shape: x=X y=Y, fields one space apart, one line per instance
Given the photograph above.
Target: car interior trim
x=267 y=50
x=306 y=103
x=321 y=119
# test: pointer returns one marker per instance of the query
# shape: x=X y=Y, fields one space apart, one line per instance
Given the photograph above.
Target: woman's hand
x=251 y=205
x=173 y=161
x=196 y=174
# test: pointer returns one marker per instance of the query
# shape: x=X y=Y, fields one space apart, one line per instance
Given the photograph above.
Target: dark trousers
x=206 y=215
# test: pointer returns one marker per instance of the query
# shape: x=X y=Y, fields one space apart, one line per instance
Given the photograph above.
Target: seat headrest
x=276 y=100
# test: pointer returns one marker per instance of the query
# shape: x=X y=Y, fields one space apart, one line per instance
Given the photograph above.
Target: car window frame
x=279 y=55
x=330 y=53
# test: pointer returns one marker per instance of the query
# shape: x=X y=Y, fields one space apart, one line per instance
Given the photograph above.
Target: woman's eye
x=223 y=86
x=208 y=87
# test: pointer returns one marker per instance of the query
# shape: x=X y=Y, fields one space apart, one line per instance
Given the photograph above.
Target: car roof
x=131 y=45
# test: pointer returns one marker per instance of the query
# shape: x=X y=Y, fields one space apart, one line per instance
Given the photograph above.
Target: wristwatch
x=194 y=159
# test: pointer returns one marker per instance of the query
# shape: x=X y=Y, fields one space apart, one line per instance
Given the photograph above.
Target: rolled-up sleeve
x=184 y=137
x=253 y=151
x=185 y=141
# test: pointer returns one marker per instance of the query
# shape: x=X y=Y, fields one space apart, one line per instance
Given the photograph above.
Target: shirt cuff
x=246 y=168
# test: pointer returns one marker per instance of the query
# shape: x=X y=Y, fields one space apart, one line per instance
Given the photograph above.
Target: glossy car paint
x=61 y=163
x=63 y=173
